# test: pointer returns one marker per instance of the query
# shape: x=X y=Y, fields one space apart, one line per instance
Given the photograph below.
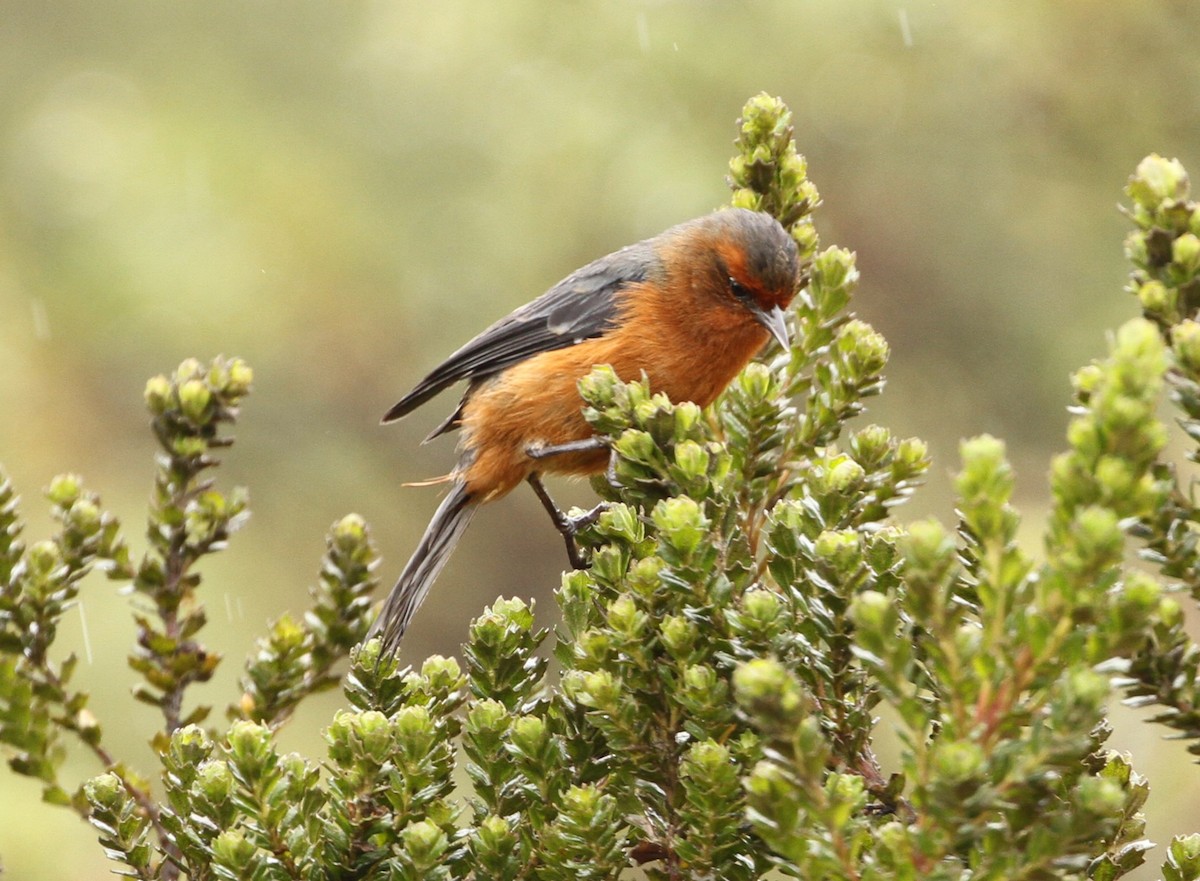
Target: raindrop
x=905 y=30
x=41 y=320
x=87 y=640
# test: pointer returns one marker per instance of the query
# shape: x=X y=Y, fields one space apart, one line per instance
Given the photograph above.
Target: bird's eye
x=739 y=290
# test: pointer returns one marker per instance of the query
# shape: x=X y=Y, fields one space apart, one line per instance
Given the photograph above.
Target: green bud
x=681 y=522
x=757 y=382
x=190 y=745
x=626 y=618
x=107 y=791
x=584 y=802
x=188 y=446
x=1154 y=297
x=1098 y=533
x=441 y=674
x=487 y=715
x=679 y=635
x=412 y=725
x=913 y=453
x=599 y=386
x=1157 y=179
x=350 y=532
x=843 y=474
x=646 y=409
x=158 y=395
x=424 y=842
x=687 y=417
x=636 y=446
x=1136 y=251
x=761 y=606
x=189 y=368
x=846 y=793
x=1141 y=590
x=232 y=850
x=873 y=611
x=1170 y=613
x=216 y=782
x=286 y=633
x=44 y=558
x=1084 y=437
x=870 y=444
x=240 y=377
x=494 y=827
x=700 y=679
x=765 y=687
x=1183 y=856
x=1139 y=340
x=834 y=267
x=692 y=459
x=621 y=521
x=600 y=690
x=1115 y=476
x=373 y=731
x=983 y=452
x=85 y=516
x=643 y=576
x=868 y=346
x=249 y=745
x=194 y=398
x=705 y=760
x=1100 y=796
x=927 y=546
x=1185 y=253
x=958 y=761
x=1185 y=342
x=842 y=547
x=1086 y=380
x=529 y=734
x=64 y=490
x=747 y=198
x=1088 y=688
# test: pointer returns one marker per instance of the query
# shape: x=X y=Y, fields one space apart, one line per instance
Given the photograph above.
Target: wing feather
x=581 y=306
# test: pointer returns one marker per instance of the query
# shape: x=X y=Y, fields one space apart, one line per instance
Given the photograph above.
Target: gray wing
x=581 y=306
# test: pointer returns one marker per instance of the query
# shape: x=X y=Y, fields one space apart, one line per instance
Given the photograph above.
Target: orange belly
x=537 y=403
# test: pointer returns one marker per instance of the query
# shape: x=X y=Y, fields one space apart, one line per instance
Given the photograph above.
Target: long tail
x=441 y=535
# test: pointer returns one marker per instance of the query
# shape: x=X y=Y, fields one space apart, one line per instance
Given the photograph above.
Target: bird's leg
x=587 y=445
x=566 y=526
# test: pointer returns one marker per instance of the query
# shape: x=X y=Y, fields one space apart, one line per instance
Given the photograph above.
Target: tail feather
x=441 y=535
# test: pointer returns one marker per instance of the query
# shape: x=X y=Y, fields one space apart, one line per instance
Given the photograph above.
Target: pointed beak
x=773 y=320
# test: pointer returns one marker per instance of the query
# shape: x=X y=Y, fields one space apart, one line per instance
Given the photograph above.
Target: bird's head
x=755 y=265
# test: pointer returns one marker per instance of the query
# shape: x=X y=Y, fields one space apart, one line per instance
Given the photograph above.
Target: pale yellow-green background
x=342 y=192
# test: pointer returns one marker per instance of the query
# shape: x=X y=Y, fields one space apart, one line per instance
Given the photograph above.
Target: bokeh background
x=341 y=193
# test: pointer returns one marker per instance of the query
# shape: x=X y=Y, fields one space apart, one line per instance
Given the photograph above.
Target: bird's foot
x=545 y=451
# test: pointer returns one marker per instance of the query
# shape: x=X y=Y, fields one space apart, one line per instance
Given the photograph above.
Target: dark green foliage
x=749 y=615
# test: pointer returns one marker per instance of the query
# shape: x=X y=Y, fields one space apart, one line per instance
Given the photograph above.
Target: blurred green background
x=341 y=193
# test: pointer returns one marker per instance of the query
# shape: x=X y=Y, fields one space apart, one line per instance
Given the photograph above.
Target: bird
x=687 y=309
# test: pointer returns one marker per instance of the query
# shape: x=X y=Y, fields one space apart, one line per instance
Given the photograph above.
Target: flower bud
x=64 y=490
x=1185 y=341
x=872 y=611
x=240 y=377
x=843 y=474
x=681 y=522
x=1157 y=179
x=1100 y=796
x=958 y=761
x=1185 y=253
x=194 y=398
